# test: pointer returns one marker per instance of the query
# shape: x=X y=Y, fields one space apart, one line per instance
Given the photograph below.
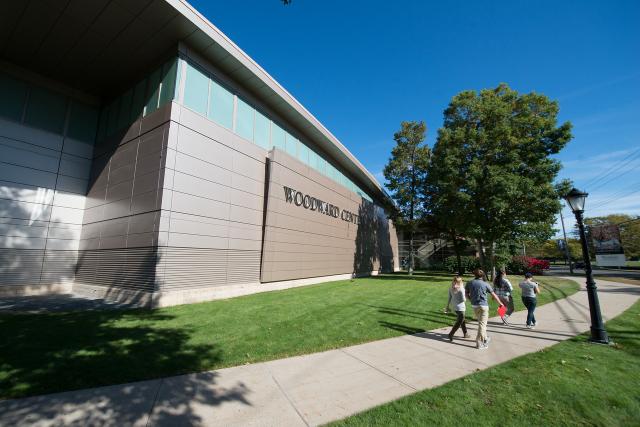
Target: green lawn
x=42 y=353
x=573 y=383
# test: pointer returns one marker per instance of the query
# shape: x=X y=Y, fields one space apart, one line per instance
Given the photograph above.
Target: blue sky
x=361 y=67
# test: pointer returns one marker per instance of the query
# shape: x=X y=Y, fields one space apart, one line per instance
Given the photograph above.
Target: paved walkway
x=317 y=388
x=57 y=302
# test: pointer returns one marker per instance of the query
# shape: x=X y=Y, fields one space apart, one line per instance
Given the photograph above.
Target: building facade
x=145 y=158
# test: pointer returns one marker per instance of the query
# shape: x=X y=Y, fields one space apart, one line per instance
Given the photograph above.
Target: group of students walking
x=478 y=292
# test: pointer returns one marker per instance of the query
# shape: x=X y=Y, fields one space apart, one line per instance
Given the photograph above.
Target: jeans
x=508 y=302
x=530 y=303
x=459 y=323
x=482 y=314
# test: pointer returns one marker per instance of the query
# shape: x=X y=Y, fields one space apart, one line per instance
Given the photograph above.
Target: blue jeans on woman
x=530 y=303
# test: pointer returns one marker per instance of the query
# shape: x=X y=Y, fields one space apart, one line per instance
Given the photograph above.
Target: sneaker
x=504 y=321
x=487 y=341
x=534 y=324
x=450 y=338
x=528 y=326
x=482 y=346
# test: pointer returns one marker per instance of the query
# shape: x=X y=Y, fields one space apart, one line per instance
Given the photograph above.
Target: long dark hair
x=497 y=281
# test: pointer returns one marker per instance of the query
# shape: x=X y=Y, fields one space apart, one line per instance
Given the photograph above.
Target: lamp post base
x=599 y=342
x=599 y=336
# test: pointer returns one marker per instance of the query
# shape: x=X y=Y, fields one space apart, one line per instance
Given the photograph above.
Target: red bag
x=502 y=310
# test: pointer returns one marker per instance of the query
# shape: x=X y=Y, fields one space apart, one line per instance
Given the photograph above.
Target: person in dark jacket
x=504 y=289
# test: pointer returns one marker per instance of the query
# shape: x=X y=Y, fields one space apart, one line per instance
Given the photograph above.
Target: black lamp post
x=576 y=199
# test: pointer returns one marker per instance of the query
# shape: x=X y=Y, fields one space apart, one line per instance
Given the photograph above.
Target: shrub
x=525 y=264
x=468 y=264
x=435 y=266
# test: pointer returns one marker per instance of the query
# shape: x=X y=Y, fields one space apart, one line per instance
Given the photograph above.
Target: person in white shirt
x=457 y=301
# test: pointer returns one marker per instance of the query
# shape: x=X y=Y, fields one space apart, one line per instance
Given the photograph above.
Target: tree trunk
x=456 y=248
x=483 y=260
x=492 y=259
x=411 y=253
x=411 y=213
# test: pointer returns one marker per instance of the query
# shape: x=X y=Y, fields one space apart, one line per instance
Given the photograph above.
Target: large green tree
x=446 y=205
x=493 y=169
x=551 y=249
x=405 y=174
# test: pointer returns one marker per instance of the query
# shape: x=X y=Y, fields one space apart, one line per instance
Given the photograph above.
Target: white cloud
x=629 y=204
x=616 y=167
x=596 y=86
x=601 y=157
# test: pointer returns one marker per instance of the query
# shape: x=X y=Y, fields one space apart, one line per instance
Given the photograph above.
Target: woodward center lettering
x=314 y=204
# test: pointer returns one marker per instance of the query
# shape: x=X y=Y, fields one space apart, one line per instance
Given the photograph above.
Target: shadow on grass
x=555 y=291
x=407 y=330
x=433 y=316
x=70 y=351
x=405 y=277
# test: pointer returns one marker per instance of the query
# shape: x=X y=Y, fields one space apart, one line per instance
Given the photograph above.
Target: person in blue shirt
x=477 y=291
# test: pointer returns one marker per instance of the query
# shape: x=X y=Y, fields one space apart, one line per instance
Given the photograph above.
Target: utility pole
x=566 y=243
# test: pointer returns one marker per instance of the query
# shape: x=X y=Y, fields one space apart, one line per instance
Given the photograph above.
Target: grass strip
x=44 y=353
x=573 y=383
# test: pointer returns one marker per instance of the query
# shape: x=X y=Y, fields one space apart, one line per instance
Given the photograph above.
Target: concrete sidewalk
x=316 y=388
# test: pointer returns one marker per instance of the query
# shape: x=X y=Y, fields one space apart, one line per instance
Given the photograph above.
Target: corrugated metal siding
x=36 y=266
x=132 y=268
x=58 y=266
x=243 y=266
x=192 y=268
x=20 y=266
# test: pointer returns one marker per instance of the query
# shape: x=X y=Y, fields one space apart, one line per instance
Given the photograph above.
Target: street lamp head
x=576 y=198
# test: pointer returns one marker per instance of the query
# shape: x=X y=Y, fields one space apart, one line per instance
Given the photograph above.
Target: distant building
x=145 y=157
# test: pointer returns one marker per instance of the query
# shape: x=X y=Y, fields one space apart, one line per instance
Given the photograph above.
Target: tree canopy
x=492 y=174
x=405 y=172
x=551 y=249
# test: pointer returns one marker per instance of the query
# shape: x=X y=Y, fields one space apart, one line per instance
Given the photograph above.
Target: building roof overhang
x=99 y=46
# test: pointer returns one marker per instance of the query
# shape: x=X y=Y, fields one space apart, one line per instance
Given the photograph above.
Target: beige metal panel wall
x=122 y=219
x=43 y=179
x=302 y=242
x=212 y=206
